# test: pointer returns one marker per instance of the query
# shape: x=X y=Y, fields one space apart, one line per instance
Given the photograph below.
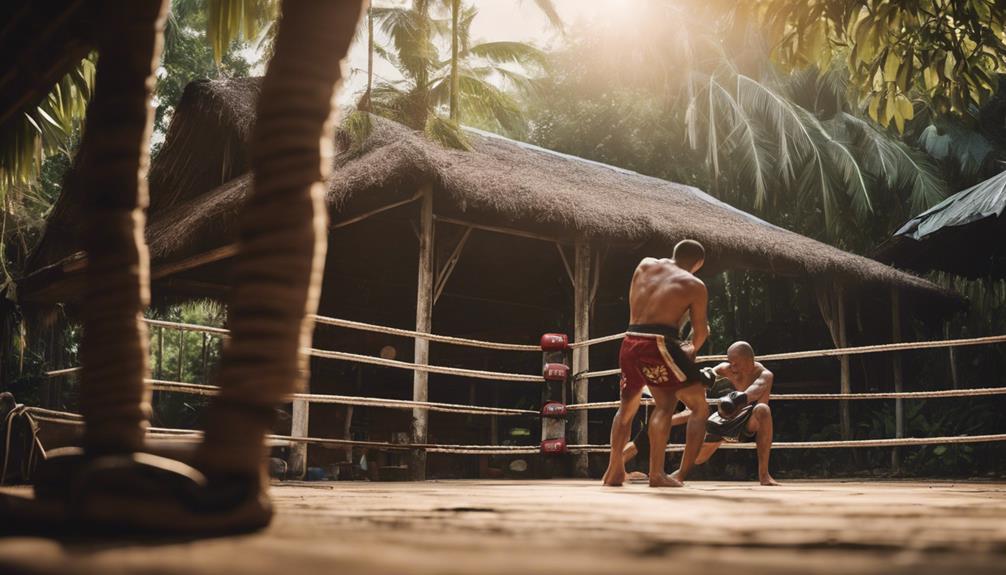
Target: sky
x=516 y=20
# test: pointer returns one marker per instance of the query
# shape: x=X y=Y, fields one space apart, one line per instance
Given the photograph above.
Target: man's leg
x=659 y=430
x=761 y=425
x=621 y=428
x=707 y=451
x=694 y=398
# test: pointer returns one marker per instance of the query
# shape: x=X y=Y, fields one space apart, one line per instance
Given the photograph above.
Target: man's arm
x=699 y=315
x=759 y=390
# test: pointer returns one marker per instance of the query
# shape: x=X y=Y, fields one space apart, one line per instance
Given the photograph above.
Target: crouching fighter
x=652 y=355
x=743 y=413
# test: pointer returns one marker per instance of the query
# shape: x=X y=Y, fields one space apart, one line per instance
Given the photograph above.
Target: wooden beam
x=207 y=257
x=424 y=323
x=503 y=230
x=899 y=415
x=445 y=273
x=582 y=263
x=565 y=264
x=373 y=212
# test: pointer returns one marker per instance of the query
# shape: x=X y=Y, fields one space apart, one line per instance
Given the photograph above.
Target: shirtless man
x=742 y=413
x=662 y=291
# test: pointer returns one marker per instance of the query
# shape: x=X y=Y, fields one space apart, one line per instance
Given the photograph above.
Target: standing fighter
x=743 y=413
x=652 y=355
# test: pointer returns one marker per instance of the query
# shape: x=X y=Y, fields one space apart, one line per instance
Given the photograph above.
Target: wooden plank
x=424 y=323
x=582 y=264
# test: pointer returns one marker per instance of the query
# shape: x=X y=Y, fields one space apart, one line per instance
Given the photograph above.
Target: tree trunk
x=283 y=235
x=455 y=85
x=112 y=174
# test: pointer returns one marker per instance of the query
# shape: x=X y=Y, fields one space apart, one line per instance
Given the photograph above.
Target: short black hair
x=689 y=252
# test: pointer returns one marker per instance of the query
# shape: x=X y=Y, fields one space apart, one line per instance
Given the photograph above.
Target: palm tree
x=796 y=142
x=465 y=85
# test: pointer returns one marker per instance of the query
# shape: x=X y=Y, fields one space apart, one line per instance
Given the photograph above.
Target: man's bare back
x=661 y=293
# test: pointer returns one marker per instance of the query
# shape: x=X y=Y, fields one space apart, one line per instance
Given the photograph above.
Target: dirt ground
x=573 y=526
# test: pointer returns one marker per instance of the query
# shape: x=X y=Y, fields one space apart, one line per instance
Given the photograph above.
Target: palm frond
x=508 y=52
x=45 y=129
x=898 y=166
x=230 y=20
x=445 y=132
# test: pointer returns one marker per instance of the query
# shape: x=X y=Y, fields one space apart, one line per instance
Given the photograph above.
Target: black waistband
x=668 y=331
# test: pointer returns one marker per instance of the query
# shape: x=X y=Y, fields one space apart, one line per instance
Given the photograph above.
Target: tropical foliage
x=942 y=53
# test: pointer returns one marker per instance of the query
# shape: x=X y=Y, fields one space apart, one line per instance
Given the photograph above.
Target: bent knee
x=762 y=411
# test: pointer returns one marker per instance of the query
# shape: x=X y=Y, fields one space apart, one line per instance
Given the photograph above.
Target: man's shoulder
x=765 y=372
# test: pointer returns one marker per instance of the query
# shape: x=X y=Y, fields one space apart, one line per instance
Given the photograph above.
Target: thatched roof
x=199 y=181
x=964 y=234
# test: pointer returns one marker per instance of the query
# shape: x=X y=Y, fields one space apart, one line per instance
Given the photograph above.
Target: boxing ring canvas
x=570 y=526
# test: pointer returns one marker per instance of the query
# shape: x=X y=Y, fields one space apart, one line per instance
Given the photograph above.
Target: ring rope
x=73 y=419
x=428 y=336
x=597 y=340
x=365 y=327
x=209 y=390
x=887 y=347
x=369 y=359
x=476 y=373
x=973 y=392
x=898 y=442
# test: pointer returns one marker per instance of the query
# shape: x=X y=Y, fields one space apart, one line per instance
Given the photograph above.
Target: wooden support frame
x=424 y=323
x=448 y=266
x=565 y=264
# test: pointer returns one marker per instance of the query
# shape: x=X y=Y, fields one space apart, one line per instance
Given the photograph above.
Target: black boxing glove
x=732 y=403
x=707 y=376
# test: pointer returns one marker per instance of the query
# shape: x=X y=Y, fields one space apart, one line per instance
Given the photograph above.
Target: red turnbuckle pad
x=555 y=372
x=554 y=342
x=553 y=446
x=553 y=409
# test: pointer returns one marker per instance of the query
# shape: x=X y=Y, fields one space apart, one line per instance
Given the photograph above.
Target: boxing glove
x=732 y=403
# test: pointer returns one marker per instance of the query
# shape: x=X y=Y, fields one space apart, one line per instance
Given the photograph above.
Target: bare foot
x=677 y=477
x=637 y=476
x=663 y=480
x=767 y=480
x=613 y=478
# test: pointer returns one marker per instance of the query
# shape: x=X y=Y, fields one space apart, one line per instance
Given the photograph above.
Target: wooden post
x=951 y=356
x=899 y=418
x=160 y=352
x=424 y=321
x=299 y=428
x=846 y=387
x=581 y=355
x=181 y=354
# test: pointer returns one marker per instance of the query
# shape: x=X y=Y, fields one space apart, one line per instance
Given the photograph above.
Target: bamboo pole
x=424 y=323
